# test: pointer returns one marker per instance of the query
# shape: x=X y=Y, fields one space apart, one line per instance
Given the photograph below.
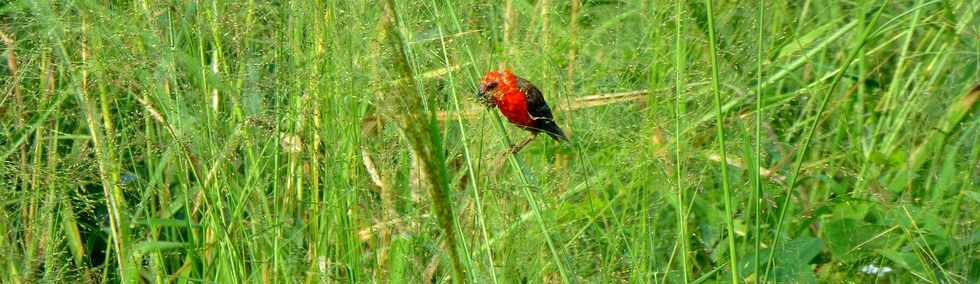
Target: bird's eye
x=491 y=85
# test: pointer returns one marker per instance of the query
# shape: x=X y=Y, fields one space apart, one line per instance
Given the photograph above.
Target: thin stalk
x=679 y=66
x=729 y=222
x=573 y=47
x=509 y=21
x=757 y=178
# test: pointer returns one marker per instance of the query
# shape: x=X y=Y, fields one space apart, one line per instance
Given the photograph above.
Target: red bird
x=520 y=102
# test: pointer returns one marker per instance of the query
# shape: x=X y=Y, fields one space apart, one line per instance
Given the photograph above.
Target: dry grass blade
x=736 y=162
x=370 y=122
x=15 y=87
x=365 y=234
x=372 y=170
x=430 y=74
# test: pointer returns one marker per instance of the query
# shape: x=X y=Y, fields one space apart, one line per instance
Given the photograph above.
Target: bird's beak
x=482 y=96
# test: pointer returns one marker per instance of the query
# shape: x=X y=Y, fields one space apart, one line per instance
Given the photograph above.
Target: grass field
x=328 y=141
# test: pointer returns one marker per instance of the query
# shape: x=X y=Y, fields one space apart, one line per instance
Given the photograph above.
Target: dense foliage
x=340 y=141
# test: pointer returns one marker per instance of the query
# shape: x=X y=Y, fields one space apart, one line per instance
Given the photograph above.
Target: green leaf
x=851 y=209
x=157 y=246
x=975 y=196
x=164 y=222
x=808 y=39
x=905 y=260
x=850 y=240
x=803 y=249
x=792 y=260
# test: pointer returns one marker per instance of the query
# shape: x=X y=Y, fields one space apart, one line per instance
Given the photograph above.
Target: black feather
x=539 y=111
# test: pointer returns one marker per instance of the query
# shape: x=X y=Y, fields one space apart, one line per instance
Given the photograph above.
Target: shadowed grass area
x=340 y=141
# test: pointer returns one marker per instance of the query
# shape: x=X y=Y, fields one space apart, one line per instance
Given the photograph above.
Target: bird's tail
x=549 y=127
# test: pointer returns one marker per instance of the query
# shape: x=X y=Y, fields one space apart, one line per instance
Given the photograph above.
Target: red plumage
x=520 y=102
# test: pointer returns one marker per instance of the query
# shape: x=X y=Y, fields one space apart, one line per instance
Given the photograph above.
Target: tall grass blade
x=720 y=126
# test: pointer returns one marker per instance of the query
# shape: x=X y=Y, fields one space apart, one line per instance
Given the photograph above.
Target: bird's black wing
x=536 y=106
x=539 y=110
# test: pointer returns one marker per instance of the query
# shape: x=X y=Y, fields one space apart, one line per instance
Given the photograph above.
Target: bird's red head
x=496 y=84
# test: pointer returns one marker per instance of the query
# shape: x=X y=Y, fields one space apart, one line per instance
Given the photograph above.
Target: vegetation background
x=338 y=141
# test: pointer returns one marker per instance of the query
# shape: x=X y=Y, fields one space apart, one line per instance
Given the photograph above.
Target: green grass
x=339 y=141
